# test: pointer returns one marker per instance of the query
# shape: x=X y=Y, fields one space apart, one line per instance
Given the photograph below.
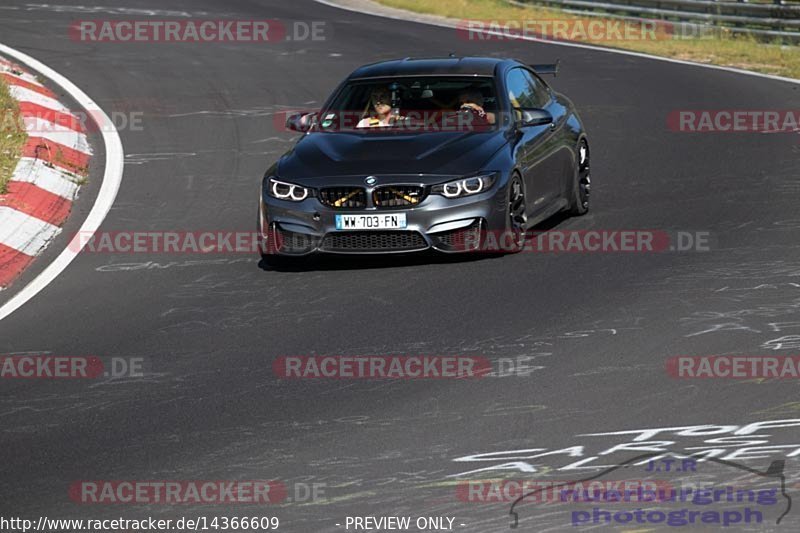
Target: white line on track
x=112 y=178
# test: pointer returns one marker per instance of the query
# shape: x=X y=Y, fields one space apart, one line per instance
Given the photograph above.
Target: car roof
x=463 y=66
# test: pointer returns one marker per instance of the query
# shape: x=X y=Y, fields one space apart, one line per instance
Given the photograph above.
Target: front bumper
x=438 y=223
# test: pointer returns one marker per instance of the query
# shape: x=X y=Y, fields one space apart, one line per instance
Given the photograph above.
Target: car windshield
x=413 y=104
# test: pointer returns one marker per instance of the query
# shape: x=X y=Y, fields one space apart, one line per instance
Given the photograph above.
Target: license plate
x=361 y=222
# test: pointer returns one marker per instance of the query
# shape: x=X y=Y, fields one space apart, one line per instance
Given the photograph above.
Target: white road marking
x=26 y=95
x=30 y=170
x=25 y=233
x=112 y=178
x=38 y=127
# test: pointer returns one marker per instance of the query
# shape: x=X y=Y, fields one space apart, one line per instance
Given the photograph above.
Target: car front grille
x=398 y=196
x=373 y=241
x=343 y=197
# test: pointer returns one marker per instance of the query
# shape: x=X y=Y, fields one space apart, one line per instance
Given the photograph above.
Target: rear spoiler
x=551 y=68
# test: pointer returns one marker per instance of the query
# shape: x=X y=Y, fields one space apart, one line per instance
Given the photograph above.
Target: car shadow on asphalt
x=333 y=262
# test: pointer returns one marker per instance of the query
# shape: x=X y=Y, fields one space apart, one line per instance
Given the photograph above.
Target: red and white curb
x=44 y=185
x=46 y=180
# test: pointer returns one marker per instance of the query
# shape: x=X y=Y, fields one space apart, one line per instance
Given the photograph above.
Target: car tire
x=516 y=215
x=582 y=183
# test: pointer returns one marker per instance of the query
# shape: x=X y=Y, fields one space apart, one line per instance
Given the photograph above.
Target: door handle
x=552 y=126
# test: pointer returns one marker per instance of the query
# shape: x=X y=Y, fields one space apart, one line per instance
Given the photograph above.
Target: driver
x=471 y=101
x=381 y=101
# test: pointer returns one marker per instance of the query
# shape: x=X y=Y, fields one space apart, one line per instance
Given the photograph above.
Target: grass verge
x=12 y=135
x=725 y=49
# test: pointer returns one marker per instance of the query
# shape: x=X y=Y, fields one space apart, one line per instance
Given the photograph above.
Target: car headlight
x=287 y=191
x=465 y=186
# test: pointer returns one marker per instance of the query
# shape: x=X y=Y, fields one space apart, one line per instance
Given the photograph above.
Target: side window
x=541 y=92
x=521 y=92
x=525 y=90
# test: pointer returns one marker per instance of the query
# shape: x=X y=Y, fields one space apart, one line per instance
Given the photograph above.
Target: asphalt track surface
x=209 y=327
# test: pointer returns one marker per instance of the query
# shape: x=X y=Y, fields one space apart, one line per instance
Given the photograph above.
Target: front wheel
x=517 y=214
x=582 y=185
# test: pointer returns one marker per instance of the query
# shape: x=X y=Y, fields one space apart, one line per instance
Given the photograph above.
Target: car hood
x=339 y=154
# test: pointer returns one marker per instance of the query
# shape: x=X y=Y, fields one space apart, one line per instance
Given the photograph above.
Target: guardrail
x=777 y=20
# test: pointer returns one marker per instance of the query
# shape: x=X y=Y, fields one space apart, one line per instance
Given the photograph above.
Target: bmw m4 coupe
x=416 y=154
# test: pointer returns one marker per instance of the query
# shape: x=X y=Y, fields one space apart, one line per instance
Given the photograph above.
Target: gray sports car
x=417 y=154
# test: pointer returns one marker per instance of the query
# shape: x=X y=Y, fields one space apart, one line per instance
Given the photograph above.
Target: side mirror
x=535 y=117
x=301 y=122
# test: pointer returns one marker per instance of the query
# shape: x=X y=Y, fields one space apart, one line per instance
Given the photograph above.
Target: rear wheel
x=579 y=203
